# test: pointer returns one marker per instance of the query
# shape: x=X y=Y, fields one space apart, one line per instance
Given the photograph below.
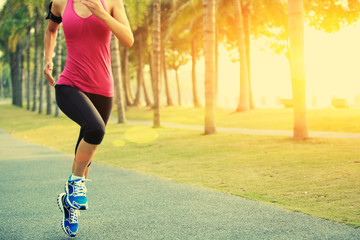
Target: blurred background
x=332 y=37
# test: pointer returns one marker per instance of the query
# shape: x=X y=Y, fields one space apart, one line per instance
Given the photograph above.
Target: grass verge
x=319 y=177
x=337 y=120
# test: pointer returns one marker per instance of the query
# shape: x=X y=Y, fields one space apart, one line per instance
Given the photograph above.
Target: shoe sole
x=82 y=207
x=61 y=206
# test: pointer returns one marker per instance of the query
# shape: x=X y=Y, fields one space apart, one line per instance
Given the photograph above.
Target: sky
x=2 y=3
x=332 y=71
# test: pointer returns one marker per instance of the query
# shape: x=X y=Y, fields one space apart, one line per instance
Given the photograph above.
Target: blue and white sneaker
x=70 y=221
x=76 y=194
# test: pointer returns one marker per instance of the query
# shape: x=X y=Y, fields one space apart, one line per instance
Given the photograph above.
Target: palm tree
x=138 y=17
x=177 y=57
x=244 y=101
x=116 y=70
x=156 y=59
x=28 y=44
x=209 y=50
x=297 y=66
x=13 y=24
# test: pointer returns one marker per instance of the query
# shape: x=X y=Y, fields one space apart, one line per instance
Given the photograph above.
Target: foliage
x=330 y=15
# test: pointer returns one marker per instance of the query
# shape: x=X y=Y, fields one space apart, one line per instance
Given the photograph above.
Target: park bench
x=338 y=103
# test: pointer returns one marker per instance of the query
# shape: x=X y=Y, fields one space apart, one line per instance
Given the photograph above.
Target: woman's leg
x=104 y=107
x=78 y=107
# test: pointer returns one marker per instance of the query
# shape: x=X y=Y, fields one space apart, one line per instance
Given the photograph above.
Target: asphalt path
x=127 y=205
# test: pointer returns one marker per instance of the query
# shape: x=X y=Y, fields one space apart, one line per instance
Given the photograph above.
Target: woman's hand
x=95 y=8
x=48 y=73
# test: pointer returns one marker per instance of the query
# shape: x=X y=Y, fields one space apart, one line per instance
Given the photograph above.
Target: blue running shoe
x=76 y=194
x=70 y=222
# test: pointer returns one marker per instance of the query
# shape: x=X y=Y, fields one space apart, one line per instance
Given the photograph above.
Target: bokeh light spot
x=141 y=134
x=118 y=143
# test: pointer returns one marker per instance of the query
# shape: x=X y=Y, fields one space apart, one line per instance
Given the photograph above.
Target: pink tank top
x=88 y=62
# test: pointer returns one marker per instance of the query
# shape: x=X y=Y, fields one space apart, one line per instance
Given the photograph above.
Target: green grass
x=337 y=120
x=319 y=177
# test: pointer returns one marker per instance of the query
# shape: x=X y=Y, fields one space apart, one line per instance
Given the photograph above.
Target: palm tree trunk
x=178 y=87
x=193 y=73
x=48 y=100
x=146 y=95
x=125 y=77
x=42 y=76
x=41 y=87
x=209 y=50
x=1 y=82
x=140 y=75
x=244 y=104
x=216 y=61
x=16 y=79
x=116 y=70
x=58 y=66
x=36 y=62
x=246 y=17
x=28 y=44
x=156 y=59
x=152 y=74
x=297 y=67
x=22 y=72
x=164 y=69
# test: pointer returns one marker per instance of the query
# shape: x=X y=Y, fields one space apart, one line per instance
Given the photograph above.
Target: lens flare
x=118 y=143
x=141 y=134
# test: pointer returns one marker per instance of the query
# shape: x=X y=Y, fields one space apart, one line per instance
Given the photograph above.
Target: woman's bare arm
x=49 y=43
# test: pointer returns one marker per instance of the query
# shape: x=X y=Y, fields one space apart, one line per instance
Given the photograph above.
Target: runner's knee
x=94 y=134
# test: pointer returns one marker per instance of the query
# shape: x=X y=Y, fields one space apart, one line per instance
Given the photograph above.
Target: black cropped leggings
x=90 y=111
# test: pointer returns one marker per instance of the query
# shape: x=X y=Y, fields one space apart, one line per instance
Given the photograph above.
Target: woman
x=85 y=88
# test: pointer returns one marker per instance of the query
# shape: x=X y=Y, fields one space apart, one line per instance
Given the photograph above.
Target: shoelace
x=80 y=188
x=74 y=214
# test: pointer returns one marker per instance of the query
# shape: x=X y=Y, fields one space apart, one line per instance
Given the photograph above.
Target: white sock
x=73 y=177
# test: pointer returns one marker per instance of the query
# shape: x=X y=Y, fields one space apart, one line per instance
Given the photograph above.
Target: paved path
x=127 y=205
x=248 y=131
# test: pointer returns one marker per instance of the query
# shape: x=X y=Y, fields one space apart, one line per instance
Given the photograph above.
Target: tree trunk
x=58 y=66
x=297 y=67
x=15 y=62
x=22 y=72
x=140 y=75
x=1 y=82
x=125 y=77
x=48 y=99
x=28 y=44
x=156 y=59
x=209 y=51
x=41 y=87
x=42 y=76
x=36 y=62
x=152 y=74
x=116 y=70
x=164 y=68
x=216 y=61
x=193 y=73
x=178 y=86
x=244 y=104
x=246 y=17
x=146 y=94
